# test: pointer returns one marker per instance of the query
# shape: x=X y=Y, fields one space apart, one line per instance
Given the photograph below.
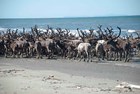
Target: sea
x=128 y=24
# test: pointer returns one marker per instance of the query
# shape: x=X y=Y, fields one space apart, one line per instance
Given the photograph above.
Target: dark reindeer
x=60 y=42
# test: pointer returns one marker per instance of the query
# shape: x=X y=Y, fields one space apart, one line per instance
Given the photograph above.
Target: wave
x=132 y=31
x=72 y=31
x=3 y=29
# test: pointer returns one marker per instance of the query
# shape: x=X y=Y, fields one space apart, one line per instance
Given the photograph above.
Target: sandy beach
x=69 y=47
x=44 y=76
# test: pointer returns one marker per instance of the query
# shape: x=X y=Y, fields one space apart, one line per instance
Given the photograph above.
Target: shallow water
x=125 y=22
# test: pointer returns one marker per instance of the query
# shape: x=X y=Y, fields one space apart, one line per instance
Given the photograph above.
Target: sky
x=67 y=8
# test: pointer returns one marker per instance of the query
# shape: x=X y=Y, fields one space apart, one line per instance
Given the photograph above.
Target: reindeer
x=106 y=44
x=84 y=48
x=113 y=45
x=100 y=52
x=60 y=42
x=2 y=49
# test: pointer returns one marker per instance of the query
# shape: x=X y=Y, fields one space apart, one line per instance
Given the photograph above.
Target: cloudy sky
x=67 y=8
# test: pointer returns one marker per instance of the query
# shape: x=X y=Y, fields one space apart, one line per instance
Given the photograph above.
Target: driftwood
x=124 y=85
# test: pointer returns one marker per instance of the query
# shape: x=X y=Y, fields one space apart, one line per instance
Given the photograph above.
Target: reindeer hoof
x=127 y=60
x=37 y=57
x=116 y=59
x=84 y=60
x=13 y=56
x=79 y=60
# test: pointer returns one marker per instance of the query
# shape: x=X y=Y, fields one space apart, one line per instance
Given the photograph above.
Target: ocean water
x=84 y=23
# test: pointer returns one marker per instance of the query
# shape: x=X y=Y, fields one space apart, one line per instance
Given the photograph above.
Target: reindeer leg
x=87 y=56
x=6 y=51
x=28 y=53
x=77 y=56
x=128 y=57
x=21 y=52
x=81 y=57
x=120 y=56
x=116 y=56
x=5 y=54
x=103 y=55
x=37 y=56
x=98 y=55
x=110 y=55
x=125 y=56
x=13 y=54
x=40 y=56
x=107 y=56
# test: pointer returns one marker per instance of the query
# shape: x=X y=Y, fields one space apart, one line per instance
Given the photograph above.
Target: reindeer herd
x=61 y=43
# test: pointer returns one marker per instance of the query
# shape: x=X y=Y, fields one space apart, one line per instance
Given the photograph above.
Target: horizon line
x=66 y=17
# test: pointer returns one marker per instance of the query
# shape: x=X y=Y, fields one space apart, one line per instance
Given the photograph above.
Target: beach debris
x=102 y=83
x=78 y=87
x=125 y=85
x=25 y=88
x=50 y=77
x=10 y=71
x=108 y=89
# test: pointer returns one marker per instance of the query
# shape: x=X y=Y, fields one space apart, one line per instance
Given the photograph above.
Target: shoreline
x=20 y=76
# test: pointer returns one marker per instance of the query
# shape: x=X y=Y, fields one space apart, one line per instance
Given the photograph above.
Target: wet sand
x=60 y=76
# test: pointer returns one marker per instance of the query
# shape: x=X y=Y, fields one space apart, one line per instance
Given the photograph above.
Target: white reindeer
x=84 y=48
x=100 y=49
